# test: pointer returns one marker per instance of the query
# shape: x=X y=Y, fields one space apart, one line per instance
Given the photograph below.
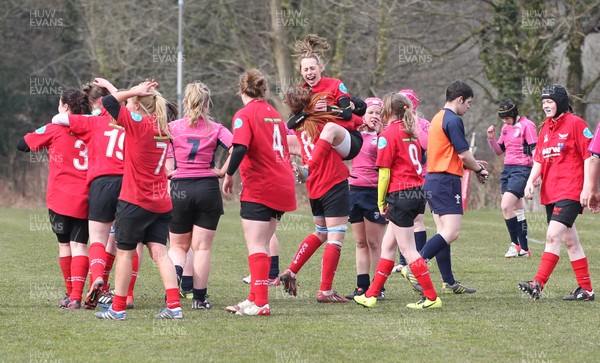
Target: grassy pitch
x=498 y=323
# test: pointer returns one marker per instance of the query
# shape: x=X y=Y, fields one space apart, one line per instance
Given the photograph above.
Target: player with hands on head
x=144 y=207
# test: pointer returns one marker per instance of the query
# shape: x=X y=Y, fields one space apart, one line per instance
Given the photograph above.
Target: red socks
x=307 y=248
x=97 y=257
x=383 y=271
x=65 y=267
x=173 y=300
x=547 y=265
x=331 y=257
x=119 y=303
x=110 y=260
x=580 y=267
x=79 y=271
x=259 y=265
x=135 y=266
x=421 y=272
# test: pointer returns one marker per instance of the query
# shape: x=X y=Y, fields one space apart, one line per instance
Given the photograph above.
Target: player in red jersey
x=327 y=187
x=143 y=210
x=259 y=149
x=368 y=225
x=423 y=131
x=560 y=160
x=195 y=193
x=342 y=132
x=400 y=199
x=517 y=140
x=66 y=193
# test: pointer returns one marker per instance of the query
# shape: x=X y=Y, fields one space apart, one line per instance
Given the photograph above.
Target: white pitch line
x=536 y=241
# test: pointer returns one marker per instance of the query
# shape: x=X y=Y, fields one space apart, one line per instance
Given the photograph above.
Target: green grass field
x=498 y=323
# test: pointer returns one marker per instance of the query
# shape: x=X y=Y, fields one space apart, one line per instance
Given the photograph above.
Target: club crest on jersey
x=237 y=123
x=545 y=138
x=562 y=136
x=587 y=133
x=517 y=133
x=374 y=141
x=41 y=130
x=136 y=116
x=381 y=143
x=343 y=88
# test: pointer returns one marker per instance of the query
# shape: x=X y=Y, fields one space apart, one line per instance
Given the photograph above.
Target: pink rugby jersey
x=364 y=172
x=515 y=139
x=194 y=147
x=595 y=144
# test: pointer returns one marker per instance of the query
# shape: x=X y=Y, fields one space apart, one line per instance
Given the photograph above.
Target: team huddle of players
x=125 y=173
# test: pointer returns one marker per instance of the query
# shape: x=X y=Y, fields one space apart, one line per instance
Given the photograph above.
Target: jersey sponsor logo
x=587 y=133
x=270 y=119
x=41 y=130
x=552 y=150
x=381 y=143
x=563 y=136
x=343 y=88
x=136 y=116
x=237 y=123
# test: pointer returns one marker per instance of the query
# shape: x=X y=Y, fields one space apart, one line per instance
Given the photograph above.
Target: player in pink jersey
x=66 y=193
x=259 y=149
x=143 y=210
x=197 y=202
x=589 y=196
x=517 y=140
x=561 y=159
x=368 y=226
x=400 y=199
x=327 y=187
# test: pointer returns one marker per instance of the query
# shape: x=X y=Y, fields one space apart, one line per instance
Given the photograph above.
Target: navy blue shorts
x=334 y=203
x=563 y=211
x=444 y=193
x=363 y=204
x=514 y=178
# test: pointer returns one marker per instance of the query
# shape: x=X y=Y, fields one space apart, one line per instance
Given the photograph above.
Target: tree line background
x=502 y=48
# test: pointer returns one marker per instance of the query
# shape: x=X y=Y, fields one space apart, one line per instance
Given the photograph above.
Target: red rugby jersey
x=561 y=149
x=67 y=190
x=105 y=141
x=335 y=89
x=401 y=154
x=266 y=170
x=328 y=173
x=144 y=174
